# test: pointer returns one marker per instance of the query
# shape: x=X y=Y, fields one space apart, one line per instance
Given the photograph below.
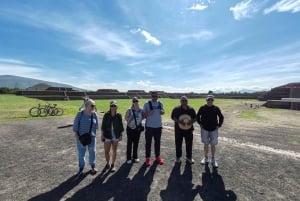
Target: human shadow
x=58 y=192
x=103 y=189
x=213 y=187
x=180 y=186
x=65 y=126
x=140 y=184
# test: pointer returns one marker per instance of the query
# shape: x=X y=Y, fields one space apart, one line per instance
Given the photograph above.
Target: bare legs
x=107 y=147
x=213 y=150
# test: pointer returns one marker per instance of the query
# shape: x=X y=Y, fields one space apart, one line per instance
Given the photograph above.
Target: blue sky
x=182 y=46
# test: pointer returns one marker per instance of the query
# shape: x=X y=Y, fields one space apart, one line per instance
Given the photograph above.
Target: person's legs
x=178 y=143
x=107 y=146
x=129 y=143
x=81 y=154
x=157 y=137
x=213 y=143
x=148 y=139
x=92 y=152
x=136 y=140
x=114 y=149
x=205 y=140
x=188 y=137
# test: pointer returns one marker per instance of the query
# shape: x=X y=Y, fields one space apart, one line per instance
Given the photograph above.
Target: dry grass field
x=258 y=156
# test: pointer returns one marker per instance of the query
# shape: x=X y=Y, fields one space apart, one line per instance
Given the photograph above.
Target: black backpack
x=151 y=107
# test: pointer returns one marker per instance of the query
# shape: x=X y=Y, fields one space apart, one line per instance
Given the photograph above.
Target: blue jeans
x=92 y=153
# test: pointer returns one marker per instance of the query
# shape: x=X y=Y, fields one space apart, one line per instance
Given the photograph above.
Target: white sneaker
x=136 y=160
x=204 y=161
x=178 y=160
x=129 y=161
x=214 y=163
x=190 y=160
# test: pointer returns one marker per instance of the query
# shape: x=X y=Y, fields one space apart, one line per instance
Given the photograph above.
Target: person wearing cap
x=210 y=119
x=153 y=110
x=86 y=121
x=134 y=117
x=111 y=133
x=184 y=116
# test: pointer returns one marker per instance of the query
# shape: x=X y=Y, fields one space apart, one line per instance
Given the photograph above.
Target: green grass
x=14 y=107
x=251 y=114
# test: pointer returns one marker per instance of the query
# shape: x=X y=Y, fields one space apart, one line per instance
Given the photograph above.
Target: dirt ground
x=257 y=161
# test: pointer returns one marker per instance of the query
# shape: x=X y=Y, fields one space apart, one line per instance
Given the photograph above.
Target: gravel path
x=39 y=163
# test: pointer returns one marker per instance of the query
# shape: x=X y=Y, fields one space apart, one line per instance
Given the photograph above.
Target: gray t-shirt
x=138 y=116
x=154 y=120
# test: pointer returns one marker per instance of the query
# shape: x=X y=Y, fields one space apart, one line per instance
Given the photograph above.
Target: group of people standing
x=209 y=117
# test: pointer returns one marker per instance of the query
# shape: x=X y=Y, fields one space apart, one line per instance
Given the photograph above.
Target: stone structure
x=285 y=97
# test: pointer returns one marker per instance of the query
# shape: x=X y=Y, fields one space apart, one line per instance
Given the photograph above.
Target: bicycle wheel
x=52 y=111
x=60 y=112
x=43 y=112
x=34 y=111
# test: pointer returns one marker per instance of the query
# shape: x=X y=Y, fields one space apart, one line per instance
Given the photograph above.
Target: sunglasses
x=210 y=99
x=113 y=106
x=183 y=100
x=136 y=101
x=154 y=96
x=92 y=105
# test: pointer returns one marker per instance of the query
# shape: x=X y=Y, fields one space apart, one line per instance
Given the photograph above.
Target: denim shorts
x=113 y=139
x=209 y=137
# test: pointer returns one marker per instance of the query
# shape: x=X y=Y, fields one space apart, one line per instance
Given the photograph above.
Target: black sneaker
x=94 y=170
x=107 y=167
x=80 y=171
x=112 y=168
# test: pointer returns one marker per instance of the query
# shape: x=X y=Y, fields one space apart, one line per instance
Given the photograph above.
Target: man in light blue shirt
x=153 y=110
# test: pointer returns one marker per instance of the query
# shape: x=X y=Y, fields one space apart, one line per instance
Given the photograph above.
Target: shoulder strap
x=134 y=118
x=91 y=123
x=150 y=105
x=159 y=105
x=79 y=118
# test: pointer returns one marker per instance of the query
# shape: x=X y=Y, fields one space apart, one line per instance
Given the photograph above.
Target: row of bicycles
x=45 y=110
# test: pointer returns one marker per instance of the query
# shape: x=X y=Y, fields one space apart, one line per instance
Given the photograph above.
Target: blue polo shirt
x=154 y=121
x=85 y=123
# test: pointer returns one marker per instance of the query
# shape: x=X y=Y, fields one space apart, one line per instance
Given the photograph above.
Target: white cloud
x=284 y=6
x=107 y=43
x=149 y=73
x=200 y=35
x=149 y=37
x=198 y=7
x=244 y=9
x=84 y=34
x=19 y=68
x=11 y=61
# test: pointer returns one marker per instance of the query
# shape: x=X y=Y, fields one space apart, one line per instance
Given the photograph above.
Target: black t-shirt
x=209 y=117
x=178 y=111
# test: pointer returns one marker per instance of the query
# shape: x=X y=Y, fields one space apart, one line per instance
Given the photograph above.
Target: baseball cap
x=113 y=103
x=89 y=102
x=210 y=97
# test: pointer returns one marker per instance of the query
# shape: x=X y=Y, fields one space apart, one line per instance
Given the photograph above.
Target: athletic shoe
x=94 y=170
x=148 y=162
x=204 y=160
x=178 y=160
x=112 y=168
x=214 y=163
x=107 y=167
x=80 y=171
x=129 y=161
x=190 y=160
x=159 y=160
x=136 y=160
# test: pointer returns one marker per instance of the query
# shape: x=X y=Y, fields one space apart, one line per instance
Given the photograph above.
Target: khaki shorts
x=209 y=137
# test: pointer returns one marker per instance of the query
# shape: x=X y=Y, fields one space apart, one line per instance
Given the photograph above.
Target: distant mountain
x=11 y=82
